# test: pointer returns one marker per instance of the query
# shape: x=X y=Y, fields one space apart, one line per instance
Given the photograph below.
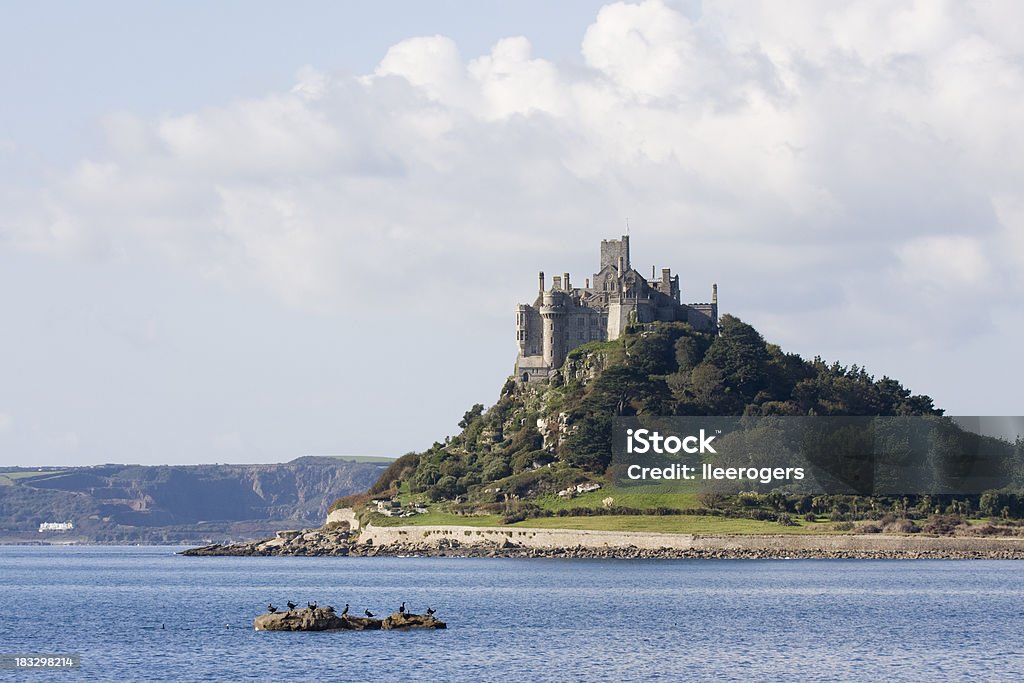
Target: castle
x=564 y=317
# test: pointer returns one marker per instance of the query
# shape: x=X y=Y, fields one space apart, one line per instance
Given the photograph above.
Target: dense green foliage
x=661 y=369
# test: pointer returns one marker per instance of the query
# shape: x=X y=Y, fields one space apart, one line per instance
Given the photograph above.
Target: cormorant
x=345 y=611
x=430 y=611
x=368 y=613
x=311 y=605
x=291 y=605
x=271 y=608
x=401 y=610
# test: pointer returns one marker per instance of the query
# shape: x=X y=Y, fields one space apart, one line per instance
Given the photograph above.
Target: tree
x=741 y=354
x=470 y=415
x=590 y=445
x=614 y=391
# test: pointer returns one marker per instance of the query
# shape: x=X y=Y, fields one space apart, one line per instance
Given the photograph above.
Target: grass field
x=9 y=478
x=674 y=524
x=437 y=519
x=362 y=458
x=677 y=524
x=642 y=498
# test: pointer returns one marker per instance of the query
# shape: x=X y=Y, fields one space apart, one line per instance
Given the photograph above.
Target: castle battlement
x=564 y=317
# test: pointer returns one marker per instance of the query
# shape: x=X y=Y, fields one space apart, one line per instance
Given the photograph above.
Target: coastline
x=525 y=542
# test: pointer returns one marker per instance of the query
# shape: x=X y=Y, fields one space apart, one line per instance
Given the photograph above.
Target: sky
x=252 y=231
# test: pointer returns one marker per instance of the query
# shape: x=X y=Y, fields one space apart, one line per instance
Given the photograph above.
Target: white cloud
x=945 y=261
x=877 y=140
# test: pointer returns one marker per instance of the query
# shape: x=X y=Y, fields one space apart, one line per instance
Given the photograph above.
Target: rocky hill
x=135 y=503
x=541 y=439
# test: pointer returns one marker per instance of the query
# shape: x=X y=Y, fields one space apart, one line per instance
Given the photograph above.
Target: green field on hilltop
x=10 y=477
x=377 y=459
x=364 y=458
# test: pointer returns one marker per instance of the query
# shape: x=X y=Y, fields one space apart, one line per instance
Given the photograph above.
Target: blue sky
x=252 y=231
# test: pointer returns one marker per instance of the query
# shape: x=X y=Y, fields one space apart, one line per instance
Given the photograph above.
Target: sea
x=149 y=614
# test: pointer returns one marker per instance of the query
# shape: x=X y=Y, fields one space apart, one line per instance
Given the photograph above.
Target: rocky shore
x=554 y=543
x=325 y=619
x=301 y=543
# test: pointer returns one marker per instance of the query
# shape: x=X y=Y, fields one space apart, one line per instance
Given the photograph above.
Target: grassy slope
x=678 y=524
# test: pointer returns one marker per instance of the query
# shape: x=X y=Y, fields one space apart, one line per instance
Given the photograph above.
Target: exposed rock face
x=323 y=619
x=307 y=542
x=174 y=503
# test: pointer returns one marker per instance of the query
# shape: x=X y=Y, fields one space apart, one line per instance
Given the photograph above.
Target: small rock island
x=325 y=619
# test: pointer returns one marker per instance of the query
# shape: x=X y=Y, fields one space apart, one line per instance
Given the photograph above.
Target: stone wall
x=568 y=538
x=344 y=516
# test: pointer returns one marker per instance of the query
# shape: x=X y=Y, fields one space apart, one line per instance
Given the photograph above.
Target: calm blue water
x=515 y=620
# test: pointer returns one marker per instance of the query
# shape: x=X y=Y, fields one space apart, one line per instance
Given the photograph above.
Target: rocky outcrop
x=326 y=619
x=303 y=542
x=404 y=621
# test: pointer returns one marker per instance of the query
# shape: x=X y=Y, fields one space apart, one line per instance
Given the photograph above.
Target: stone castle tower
x=564 y=317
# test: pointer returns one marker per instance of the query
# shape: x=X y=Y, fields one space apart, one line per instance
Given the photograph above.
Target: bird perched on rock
x=329 y=609
x=430 y=611
x=401 y=608
x=345 y=611
x=271 y=608
x=368 y=613
x=291 y=605
x=311 y=605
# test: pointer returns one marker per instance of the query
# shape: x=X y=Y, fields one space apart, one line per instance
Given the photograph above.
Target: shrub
x=942 y=525
x=901 y=525
x=710 y=499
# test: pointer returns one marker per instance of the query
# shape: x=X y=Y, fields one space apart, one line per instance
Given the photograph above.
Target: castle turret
x=613 y=250
x=552 y=311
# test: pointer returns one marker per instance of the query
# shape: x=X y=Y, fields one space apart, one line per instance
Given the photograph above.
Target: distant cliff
x=151 y=504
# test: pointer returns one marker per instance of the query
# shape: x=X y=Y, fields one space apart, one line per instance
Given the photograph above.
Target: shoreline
x=525 y=542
